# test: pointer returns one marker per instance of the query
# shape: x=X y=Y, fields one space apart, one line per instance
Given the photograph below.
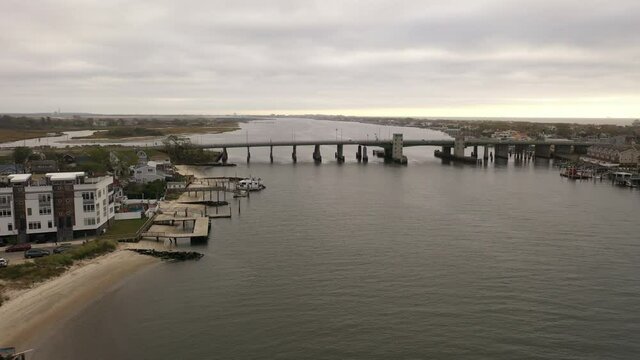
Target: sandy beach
x=32 y=312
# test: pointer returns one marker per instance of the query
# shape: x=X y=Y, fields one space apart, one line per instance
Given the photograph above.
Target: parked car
x=4 y=262
x=62 y=248
x=18 y=247
x=36 y=253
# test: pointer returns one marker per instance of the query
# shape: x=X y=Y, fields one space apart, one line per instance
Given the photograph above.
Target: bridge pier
x=475 y=151
x=458 y=147
x=248 y=154
x=543 y=151
x=446 y=151
x=359 y=153
x=519 y=151
x=317 y=157
x=294 y=156
x=340 y=153
x=485 y=155
x=365 y=157
x=225 y=156
x=502 y=151
x=396 y=150
x=271 y=153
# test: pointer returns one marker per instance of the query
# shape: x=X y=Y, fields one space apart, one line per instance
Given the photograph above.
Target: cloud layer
x=423 y=57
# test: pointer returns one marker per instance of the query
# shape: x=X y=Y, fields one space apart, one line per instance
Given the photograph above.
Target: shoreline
x=30 y=314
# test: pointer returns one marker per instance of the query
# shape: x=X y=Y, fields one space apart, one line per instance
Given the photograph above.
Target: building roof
x=18 y=178
x=64 y=175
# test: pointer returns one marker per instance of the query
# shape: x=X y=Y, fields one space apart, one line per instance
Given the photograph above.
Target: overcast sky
x=555 y=58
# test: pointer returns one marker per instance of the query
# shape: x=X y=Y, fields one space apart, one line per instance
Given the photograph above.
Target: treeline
x=47 y=122
x=182 y=151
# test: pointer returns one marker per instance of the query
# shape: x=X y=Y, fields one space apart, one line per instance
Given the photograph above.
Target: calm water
x=387 y=262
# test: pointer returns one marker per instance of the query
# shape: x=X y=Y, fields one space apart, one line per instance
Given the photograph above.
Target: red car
x=18 y=247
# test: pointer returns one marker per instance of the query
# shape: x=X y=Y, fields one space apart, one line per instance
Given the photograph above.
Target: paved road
x=18 y=256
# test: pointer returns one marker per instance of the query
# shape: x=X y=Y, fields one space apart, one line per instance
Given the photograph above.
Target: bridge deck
x=388 y=143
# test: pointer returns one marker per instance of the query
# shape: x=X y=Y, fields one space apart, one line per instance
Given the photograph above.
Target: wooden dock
x=200 y=228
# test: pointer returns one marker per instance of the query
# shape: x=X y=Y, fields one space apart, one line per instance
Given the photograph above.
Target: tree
x=21 y=154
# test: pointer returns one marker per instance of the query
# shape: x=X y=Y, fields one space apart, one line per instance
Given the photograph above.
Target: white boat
x=251 y=184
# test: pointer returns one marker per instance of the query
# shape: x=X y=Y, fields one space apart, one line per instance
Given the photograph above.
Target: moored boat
x=250 y=184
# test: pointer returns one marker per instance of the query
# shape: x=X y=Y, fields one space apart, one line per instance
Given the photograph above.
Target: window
x=44 y=198
x=98 y=219
x=50 y=223
x=88 y=196
x=89 y=207
x=29 y=211
x=34 y=225
x=89 y=221
x=5 y=200
x=10 y=227
x=104 y=202
x=5 y=212
x=45 y=210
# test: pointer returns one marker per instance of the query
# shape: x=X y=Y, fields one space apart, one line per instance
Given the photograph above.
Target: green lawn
x=125 y=227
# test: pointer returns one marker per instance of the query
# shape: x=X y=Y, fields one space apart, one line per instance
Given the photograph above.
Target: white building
x=56 y=207
x=148 y=173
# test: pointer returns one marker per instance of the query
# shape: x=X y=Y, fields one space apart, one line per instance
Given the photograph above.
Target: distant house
x=43 y=166
x=616 y=154
x=142 y=157
x=630 y=156
x=113 y=158
x=6 y=169
x=148 y=173
x=68 y=159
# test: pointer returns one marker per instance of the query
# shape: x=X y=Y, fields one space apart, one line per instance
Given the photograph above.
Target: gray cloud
x=250 y=56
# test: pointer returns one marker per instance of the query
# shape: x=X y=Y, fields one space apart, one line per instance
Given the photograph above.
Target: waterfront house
x=148 y=172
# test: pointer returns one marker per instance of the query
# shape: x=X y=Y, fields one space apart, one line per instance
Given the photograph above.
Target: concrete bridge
x=393 y=148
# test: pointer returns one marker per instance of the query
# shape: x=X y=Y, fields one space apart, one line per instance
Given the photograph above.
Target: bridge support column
x=543 y=151
x=446 y=151
x=396 y=150
x=248 y=154
x=485 y=155
x=519 y=151
x=225 y=156
x=458 y=147
x=271 y=153
x=294 y=156
x=502 y=151
x=475 y=151
x=317 y=157
x=365 y=157
x=340 y=153
x=359 y=153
